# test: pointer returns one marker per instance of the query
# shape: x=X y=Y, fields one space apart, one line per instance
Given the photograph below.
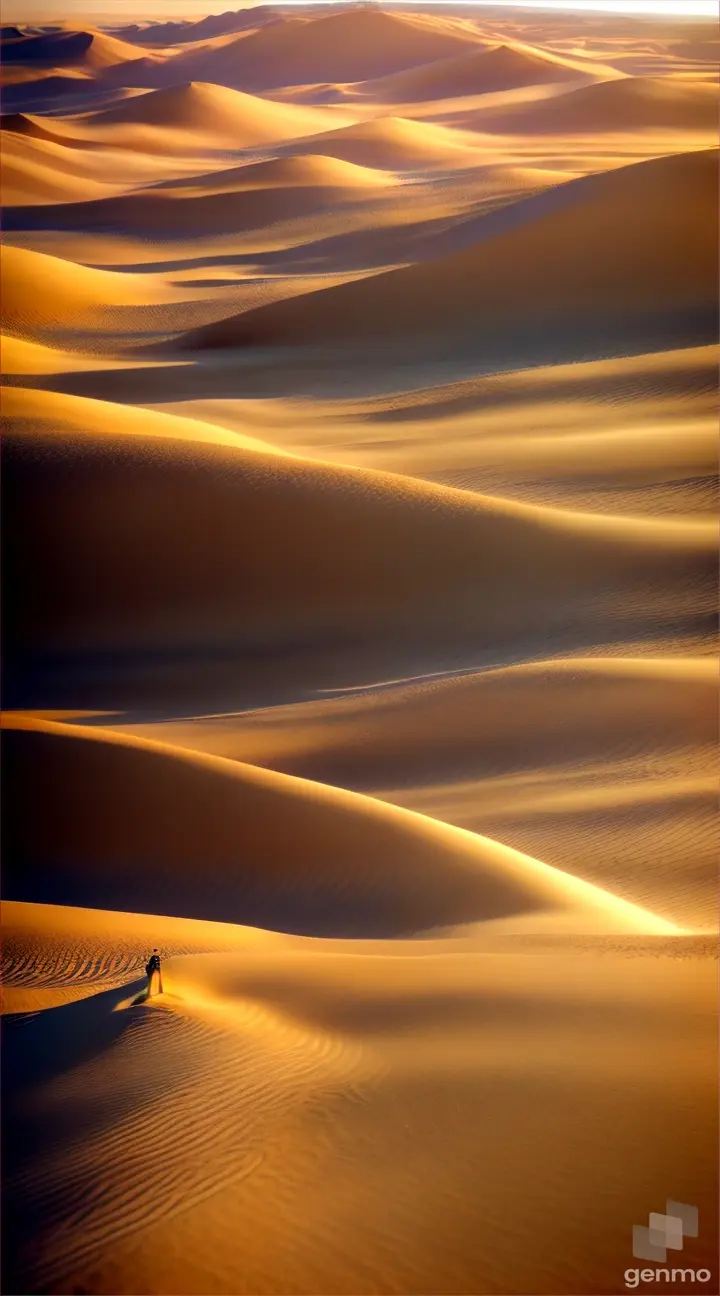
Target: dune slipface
x=360 y=592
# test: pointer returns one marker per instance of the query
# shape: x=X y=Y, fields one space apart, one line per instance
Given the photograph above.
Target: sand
x=555 y=262
x=360 y=579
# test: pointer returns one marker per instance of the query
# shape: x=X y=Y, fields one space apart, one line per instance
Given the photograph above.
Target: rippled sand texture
x=360 y=409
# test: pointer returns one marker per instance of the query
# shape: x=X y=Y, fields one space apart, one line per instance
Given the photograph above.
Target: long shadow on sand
x=39 y=1049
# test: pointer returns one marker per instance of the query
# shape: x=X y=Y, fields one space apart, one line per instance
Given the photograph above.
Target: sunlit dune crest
x=492 y=882
x=360 y=604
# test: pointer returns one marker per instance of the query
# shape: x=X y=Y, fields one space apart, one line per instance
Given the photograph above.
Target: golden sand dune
x=40 y=167
x=19 y=356
x=56 y=954
x=358 y=618
x=594 y=761
x=72 y=295
x=480 y=71
x=35 y=171
x=214 y=565
x=254 y=196
x=352 y=1103
x=643 y=826
x=635 y=434
x=341 y=47
x=299 y=170
x=223 y=116
x=555 y=263
x=37 y=127
x=220 y=840
x=632 y=103
x=395 y=142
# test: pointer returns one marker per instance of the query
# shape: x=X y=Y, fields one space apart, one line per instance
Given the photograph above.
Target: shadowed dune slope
x=632 y=103
x=156 y=533
x=100 y=820
x=480 y=71
x=353 y=45
x=37 y=127
x=620 y=246
x=172 y=215
x=87 y=49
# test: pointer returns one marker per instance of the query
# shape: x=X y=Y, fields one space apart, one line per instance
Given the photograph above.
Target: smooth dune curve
x=243 y=843
x=72 y=295
x=181 y=544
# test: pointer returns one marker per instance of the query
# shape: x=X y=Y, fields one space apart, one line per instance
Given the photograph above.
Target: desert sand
x=360 y=580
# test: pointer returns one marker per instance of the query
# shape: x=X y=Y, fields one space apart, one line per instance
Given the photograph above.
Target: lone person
x=151 y=967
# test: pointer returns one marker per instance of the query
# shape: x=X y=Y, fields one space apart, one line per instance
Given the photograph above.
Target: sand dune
x=247 y=197
x=551 y=712
x=340 y=47
x=189 y=31
x=33 y=172
x=72 y=296
x=298 y=171
x=634 y=435
x=359 y=649
x=395 y=142
x=558 y=260
x=476 y=72
x=171 y=215
x=91 y=50
x=633 y=103
x=270 y=844
x=57 y=954
x=75 y=90
x=40 y=167
x=594 y=760
x=37 y=127
x=222 y=114
x=352 y=1103
x=382 y=557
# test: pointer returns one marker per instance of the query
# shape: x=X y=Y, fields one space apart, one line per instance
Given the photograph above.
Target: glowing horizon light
x=633 y=8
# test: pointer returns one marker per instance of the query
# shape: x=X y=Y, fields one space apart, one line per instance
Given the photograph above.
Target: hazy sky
x=117 y=10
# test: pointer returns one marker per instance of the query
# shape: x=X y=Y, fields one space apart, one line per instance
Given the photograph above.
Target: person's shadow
x=37 y=1050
